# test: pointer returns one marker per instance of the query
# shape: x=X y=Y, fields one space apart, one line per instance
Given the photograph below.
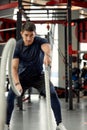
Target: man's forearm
x=16 y=81
x=46 y=49
x=47 y=54
x=15 y=76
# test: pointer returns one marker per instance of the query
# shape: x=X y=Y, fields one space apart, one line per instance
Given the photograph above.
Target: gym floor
x=33 y=116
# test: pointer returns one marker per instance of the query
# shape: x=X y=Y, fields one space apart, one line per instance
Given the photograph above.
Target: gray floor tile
x=33 y=117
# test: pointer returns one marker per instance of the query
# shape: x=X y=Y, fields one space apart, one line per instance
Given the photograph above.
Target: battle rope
x=2 y=91
x=12 y=44
x=48 y=100
x=7 y=51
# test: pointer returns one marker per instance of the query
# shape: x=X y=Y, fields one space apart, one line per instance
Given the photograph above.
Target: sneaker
x=6 y=127
x=61 y=127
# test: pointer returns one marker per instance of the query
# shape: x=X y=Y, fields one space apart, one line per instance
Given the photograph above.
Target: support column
x=19 y=20
x=66 y=65
x=70 y=54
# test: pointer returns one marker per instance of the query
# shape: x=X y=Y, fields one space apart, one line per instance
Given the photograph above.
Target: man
x=27 y=69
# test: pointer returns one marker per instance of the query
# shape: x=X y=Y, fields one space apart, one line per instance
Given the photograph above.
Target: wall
x=61 y=44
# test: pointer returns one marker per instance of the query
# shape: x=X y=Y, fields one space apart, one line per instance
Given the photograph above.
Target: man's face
x=28 y=37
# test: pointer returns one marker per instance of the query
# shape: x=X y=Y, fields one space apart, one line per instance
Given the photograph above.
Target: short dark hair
x=28 y=26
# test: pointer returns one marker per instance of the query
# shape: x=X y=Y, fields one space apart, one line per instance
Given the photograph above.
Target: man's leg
x=10 y=105
x=55 y=104
x=39 y=84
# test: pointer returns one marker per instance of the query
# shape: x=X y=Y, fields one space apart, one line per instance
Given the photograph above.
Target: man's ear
x=21 y=32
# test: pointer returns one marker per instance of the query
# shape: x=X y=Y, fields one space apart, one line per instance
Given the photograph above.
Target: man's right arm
x=15 y=64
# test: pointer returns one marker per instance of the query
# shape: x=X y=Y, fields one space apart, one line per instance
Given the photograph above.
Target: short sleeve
x=16 y=51
x=43 y=41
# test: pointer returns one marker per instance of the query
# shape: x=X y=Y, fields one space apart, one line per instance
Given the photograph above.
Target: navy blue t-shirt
x=30 y=57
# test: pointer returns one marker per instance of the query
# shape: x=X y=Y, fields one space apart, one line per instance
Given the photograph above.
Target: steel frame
x=68 y=3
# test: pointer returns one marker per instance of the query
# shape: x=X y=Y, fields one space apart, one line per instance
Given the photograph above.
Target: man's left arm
x=46 y=48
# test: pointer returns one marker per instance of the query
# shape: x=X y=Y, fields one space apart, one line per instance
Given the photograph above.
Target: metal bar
x=45 y=9
x=45 y=17
x=45 y=13
x=7 y=29
x=82 y=51
x=73 y=3
x=37 y=4
x=66 y=67
x=19 y=20
x=49 y=21
x=61 y=21
x=70 y=55
x=79 y=20
x=78 y=56
x=8 y=6
x=82 y=30
x=6 y=16
x=32 y=3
